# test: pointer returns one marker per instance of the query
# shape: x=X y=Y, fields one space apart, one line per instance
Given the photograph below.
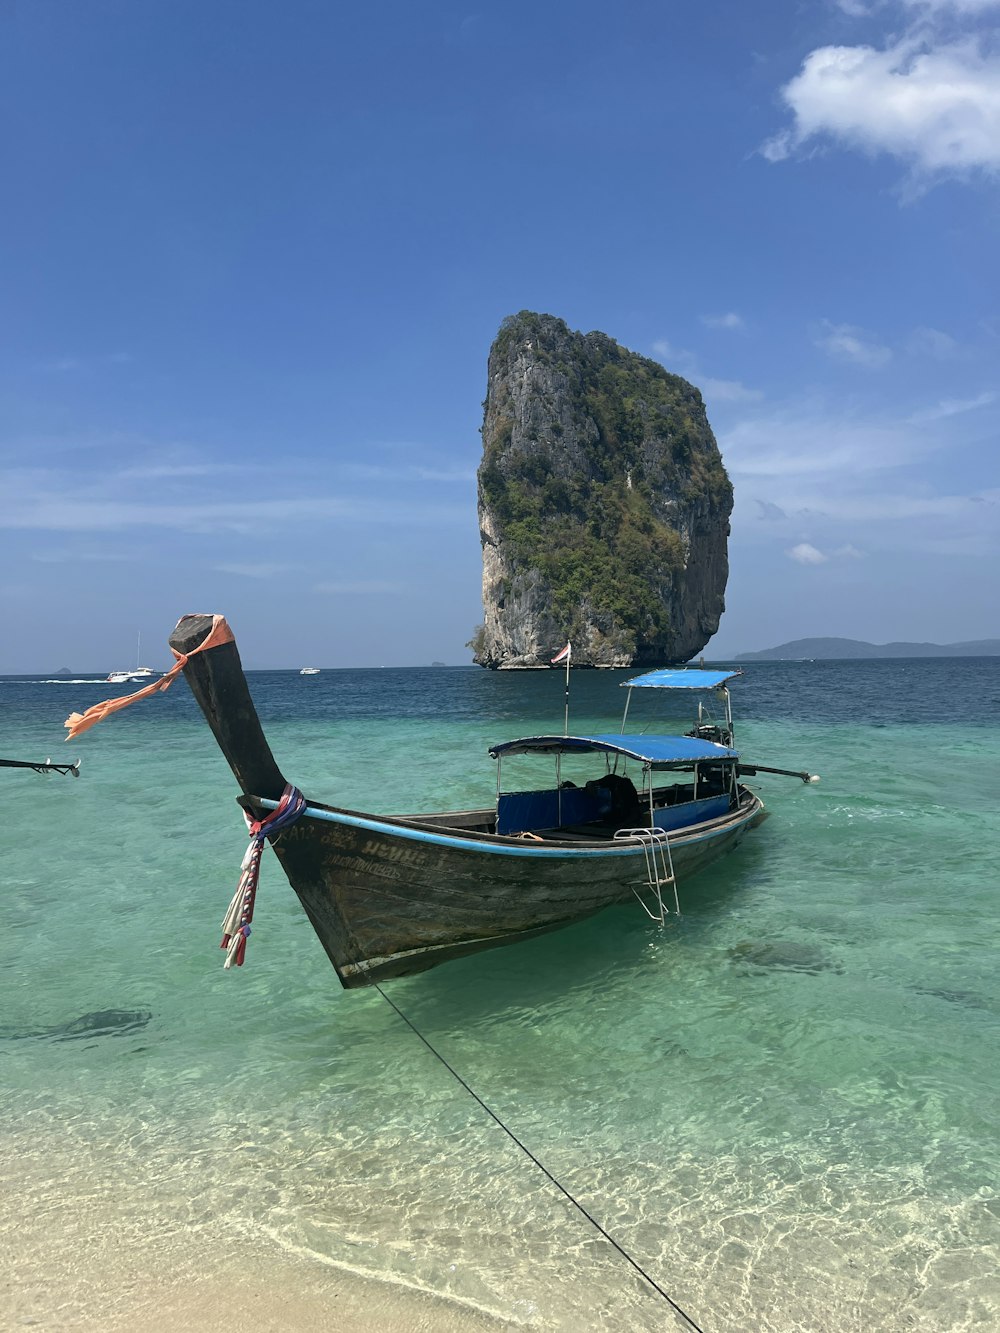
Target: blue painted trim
x=467 y=844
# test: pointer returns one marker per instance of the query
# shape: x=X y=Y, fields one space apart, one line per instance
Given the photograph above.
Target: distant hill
x=805 y=649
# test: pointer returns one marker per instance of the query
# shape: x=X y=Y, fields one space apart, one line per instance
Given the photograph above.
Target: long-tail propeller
x=751 y=771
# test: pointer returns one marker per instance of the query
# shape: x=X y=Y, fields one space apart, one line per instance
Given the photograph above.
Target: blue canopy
x=655 y=751
x=682 y=678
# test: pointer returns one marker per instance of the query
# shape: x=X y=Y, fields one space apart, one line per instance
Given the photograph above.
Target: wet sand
x=104 y=1284
x=98 y=1254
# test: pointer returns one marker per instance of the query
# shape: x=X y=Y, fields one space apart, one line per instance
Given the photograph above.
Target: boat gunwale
x=512 y=844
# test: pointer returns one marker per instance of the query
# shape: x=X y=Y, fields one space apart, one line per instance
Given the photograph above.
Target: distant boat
x=309 y=671
x=136 y=674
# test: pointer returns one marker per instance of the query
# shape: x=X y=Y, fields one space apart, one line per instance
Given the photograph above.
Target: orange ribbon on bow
x=76 y=723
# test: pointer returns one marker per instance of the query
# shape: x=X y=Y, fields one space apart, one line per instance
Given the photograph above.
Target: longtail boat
x=390 y=895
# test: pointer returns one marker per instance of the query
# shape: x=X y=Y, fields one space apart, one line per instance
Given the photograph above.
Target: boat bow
x=218 y=683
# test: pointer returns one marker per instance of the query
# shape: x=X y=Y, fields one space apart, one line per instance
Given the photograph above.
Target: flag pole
x=565 y=656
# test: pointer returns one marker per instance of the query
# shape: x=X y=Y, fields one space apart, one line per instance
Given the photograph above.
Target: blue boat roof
x=682 y=678
x=656 y=751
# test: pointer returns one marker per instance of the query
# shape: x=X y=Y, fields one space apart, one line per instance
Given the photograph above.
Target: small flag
x=564 y=656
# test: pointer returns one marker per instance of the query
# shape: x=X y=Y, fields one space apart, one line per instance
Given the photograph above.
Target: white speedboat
x=309 y=671
x=137 y=675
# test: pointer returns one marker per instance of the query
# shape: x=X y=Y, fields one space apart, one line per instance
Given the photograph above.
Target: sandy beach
x=95 y=1237
x=90 y=1270
x=109 y=1236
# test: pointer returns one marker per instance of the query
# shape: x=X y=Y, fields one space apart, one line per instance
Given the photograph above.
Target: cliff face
x=603 y=504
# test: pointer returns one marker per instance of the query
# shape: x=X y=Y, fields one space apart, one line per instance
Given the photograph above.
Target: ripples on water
x=784 y=1106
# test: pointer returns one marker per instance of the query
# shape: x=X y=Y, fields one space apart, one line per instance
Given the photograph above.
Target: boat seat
x=618 y=800
x=524 y=811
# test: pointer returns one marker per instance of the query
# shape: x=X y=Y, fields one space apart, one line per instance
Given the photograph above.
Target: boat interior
x=599 y=809
x=684 y=780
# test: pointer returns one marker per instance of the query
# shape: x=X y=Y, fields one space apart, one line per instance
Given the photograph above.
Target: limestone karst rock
x=603 y=504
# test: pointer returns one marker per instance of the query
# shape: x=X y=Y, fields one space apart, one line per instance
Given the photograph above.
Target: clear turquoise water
x=784 y=1106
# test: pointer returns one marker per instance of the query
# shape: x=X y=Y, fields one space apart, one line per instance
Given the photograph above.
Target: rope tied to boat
x=236 y=922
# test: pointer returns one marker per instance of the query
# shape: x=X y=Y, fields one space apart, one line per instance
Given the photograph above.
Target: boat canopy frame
x=658 y=753
x=709 y=743
x=655 y=754
x=697 y=681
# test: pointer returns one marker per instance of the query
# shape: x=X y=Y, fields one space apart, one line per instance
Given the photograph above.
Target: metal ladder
x=659 y=869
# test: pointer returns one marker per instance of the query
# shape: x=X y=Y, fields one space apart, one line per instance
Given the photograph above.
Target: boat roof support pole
x=628 y=700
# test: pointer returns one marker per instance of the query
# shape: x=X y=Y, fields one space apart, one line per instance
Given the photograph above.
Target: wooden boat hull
x=392 y=895
x=387 y=899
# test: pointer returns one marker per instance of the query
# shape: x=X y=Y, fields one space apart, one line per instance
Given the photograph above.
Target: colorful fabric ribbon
x=76 y=722
x=236 y=923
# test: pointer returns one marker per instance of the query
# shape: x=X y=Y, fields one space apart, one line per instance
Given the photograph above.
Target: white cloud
x=805 y=554
x=924 y=341
x=959 y=6
x=61 y=365
x=731 y=391
x=402 y=472
x=845 y=483
x=176 y=471
x=844 y=342
x=57 y=556
x=668 y=352
x=57 y=501
x=951 y=407
x=681 y=362
x=730 y=320
x=366 y=588
x=811 y=445
x=445 y=475
x=249 y=571
x=935 y=107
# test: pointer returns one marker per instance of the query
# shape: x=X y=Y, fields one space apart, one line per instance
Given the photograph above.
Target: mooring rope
x=236 y=922
x=544 y=1169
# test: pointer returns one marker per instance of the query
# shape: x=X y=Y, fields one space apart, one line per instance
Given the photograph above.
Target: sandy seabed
x=79 y=1251
x=105 y=1236
x=109 y=1237
x=61 y=1274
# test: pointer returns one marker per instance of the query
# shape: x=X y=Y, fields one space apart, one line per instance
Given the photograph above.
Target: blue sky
x=252 y=258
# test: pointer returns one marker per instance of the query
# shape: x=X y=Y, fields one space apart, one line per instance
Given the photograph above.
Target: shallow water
x=783 y=1106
